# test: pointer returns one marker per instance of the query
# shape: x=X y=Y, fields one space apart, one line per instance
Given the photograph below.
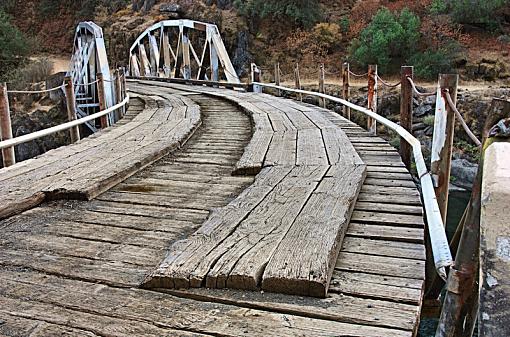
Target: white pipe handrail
x=62 y=127
x=439 y=242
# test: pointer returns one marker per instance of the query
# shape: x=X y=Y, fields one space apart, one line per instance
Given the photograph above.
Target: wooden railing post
x=277 y=77
x=71 y=108
x=372 y=97
x=406 y=112
x=8 y=155
x=346 y=88
x=298 y=81
x=322 y=101
x=442 y=140
x=102 y=99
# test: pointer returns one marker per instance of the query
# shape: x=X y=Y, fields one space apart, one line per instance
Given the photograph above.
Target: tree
x=388 y=41
x=14 y=46
x=302 y=12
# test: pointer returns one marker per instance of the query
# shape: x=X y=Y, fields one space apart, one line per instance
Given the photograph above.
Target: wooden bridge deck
x=75 y=267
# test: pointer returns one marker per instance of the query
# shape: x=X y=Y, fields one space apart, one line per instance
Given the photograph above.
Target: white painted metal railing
x=439 y=241
x=62 y=127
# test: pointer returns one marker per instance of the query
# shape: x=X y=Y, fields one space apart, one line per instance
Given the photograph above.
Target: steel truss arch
x=154 y=54
x=89 y=59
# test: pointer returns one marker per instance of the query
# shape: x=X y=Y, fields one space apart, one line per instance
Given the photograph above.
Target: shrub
x=345 y=25
x=303 y=12
x=33 y=72
x=482 y=12
x=327 y=34
x=389 y=40
x=13 y=46
x=429 y=63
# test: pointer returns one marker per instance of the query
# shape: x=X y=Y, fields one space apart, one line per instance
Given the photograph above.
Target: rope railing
x=61 y=87
x=439 y=242
x=461 y=119
x=358 y=75
x=386 y=84
x=417 y=92
x=62 y=127
x=85 y=84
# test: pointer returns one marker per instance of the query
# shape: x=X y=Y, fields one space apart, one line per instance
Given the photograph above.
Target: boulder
x=464 y=173
x=423 y=109
x=173 y=11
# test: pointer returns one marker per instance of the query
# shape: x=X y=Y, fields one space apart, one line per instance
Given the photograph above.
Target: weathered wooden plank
x=310 y=148
x=395 y=289
x=392 y=233
x=239 y=261
x=316 y=236
x=252 y=160
x=381 y=265
x=360 y=312
x=384 y=248
x=388 y=208
x=185 y=256
x=106 y=309
x=388 y=218
x=282 y=149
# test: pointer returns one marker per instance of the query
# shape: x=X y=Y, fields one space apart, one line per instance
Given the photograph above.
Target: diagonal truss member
x=166 y=49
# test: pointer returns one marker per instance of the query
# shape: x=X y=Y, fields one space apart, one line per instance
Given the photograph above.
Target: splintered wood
x=87 y=168
x=282 y=234
x=74 y=267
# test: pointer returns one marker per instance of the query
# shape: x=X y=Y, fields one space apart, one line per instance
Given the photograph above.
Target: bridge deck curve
x=74 y=266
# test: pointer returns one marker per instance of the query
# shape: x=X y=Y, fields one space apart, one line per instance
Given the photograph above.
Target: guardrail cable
x=417 y=92
x=36 y=91
x=461 y=119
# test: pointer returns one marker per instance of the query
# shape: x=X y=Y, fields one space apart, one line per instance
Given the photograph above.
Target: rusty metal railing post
x=442 y=140
x=102 y=99
x=8 y=155
x=346 y=88
x=74 y=132
x=322 y=101
x=298 y=81
x=406 y=112
x=372 y=97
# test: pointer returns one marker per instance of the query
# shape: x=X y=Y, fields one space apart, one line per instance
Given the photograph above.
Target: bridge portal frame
x=161 y=60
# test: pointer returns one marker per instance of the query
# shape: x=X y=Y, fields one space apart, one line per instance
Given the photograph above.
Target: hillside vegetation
x=469 y=36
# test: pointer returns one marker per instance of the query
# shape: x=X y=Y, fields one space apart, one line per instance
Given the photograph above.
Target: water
x=457 y=202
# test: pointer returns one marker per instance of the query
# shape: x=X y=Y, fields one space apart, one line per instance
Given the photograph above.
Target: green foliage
x=469 y=149
x=49 y=8
x=438 y=7
x=345 y=25
x=302 y=12
x=482 y=12
x=13 y=46
x=388 y=41
x=429 y=63
x=429 y=120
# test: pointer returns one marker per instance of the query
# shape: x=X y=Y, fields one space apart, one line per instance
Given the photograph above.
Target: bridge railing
x=7 y=142
x=439 y=242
